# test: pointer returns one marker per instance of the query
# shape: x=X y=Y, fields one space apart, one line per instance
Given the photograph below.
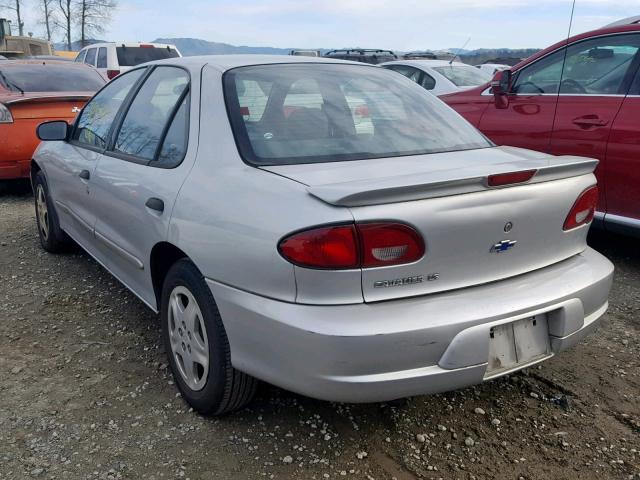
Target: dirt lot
x=85 y=393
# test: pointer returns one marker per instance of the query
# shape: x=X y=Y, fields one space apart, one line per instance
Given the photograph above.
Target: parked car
x=579 y=97
x=281 y=243
x=363 y=55
x=420 y=55
x=492 y=68
x=305 y=53
x=439 y=76
x=111 y=59
x=31 y=92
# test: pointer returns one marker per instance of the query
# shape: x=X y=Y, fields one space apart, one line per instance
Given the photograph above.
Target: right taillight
x=583 y=209
x=111 y=74
x=364 y=245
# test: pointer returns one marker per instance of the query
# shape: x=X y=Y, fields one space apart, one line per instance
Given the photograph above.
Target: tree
x=48 y=16
x=93 y=16
x=66 y=9
x=16 y=7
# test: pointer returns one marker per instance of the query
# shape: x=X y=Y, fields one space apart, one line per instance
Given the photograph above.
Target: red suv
x=577 y=97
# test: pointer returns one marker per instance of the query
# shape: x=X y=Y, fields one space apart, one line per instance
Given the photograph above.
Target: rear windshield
x=463 y=76
x=312 y=113
x=131 y=56
x=38 y=77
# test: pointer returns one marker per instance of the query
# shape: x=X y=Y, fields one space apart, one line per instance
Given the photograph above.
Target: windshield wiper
x=10 y=84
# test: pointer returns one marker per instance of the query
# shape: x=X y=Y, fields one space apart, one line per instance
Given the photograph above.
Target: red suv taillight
x=583 y=210
x=363 y=245
x=111 y=74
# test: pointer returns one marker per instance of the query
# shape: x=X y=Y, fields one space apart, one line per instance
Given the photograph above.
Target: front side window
x=324 y=113
x=102 y=58
x=94 y=123
x=463 y=75
x=152 y=109
x=80 y=57
x=592 y=67
x=91 y=57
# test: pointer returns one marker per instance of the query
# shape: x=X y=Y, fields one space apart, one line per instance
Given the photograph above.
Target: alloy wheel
x=188 y=338
x=42 y=212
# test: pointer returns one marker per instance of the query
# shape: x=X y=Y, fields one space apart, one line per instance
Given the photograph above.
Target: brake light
x=145 y=45
x=583 y=209
x=364 y=245
x=111 y=74
x=334 y=247
x=510 y=178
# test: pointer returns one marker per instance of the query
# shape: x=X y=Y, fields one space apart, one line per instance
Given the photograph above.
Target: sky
x=391 y=24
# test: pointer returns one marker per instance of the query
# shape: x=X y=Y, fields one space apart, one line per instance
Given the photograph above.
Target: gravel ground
x=85 y=393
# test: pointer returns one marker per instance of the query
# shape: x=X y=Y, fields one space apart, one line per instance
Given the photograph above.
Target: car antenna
x=456 y=55
x=564 y=60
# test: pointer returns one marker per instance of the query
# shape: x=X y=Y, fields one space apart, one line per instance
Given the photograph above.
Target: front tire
x=52 y=237
x=197 y=346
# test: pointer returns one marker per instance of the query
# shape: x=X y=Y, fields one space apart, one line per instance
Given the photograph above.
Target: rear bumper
x=421 y=345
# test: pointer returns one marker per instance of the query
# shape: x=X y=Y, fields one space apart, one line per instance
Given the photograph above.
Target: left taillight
x=364 y=245
x=111 y=74
x=5 y=114
x=583 y=209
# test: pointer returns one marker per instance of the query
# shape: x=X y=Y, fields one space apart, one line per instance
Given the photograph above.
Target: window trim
x=116 y=125
x=626 y=83
x=127 y=99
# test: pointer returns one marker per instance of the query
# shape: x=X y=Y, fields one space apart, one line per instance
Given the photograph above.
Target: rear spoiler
x=403 y=188
x=48 y=98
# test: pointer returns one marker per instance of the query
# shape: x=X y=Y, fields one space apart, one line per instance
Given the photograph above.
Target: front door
x=72 y=173
x=527 y=122
x=139 y=176
x=596 y=77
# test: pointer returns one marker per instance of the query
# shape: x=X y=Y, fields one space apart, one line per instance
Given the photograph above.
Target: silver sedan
x=328 y=227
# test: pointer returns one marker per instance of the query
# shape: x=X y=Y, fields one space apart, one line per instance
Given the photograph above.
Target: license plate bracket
x=516 y=344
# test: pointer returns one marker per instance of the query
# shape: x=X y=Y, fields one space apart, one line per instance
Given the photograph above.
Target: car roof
x=611 y=30
x=427 y=63
x=33 y=61
x=227 y=62
x=128 y=44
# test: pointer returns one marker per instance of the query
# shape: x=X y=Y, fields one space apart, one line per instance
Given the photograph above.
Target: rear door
x=622 y=174
x=138 y=177
x=596 y=77
x=528 y=120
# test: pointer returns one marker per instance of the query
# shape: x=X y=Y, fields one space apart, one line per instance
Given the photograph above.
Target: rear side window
x=174 y=146
x=102 y=57
x=130 y=56
x=463 y=76
x=151 y=111
x=50 y=77
x=92 y=128
x=91 y=57
x=291 y=114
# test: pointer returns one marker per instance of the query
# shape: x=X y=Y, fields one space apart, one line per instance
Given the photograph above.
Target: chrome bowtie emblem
x=503 y=246
x=75 y=110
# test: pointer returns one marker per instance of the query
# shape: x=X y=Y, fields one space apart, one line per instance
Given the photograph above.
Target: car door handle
x=85 y=174
x=590 y=121
x=155 y=204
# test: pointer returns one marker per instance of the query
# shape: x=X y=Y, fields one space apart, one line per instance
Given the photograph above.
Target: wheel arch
x=163 y=256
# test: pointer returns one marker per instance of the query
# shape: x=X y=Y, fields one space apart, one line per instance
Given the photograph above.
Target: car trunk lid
x=46 y=106
x=474 y=233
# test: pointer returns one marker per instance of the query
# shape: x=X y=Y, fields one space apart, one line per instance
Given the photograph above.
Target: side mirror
x=57 y=130
x=501 y=86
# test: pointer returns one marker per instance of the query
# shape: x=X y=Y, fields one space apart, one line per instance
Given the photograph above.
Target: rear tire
x=197 y=346
x=52 y=237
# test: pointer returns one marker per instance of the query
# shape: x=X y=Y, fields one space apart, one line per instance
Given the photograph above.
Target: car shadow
x=15 y=188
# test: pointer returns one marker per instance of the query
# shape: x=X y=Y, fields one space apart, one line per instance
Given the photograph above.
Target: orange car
x=32 y=92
